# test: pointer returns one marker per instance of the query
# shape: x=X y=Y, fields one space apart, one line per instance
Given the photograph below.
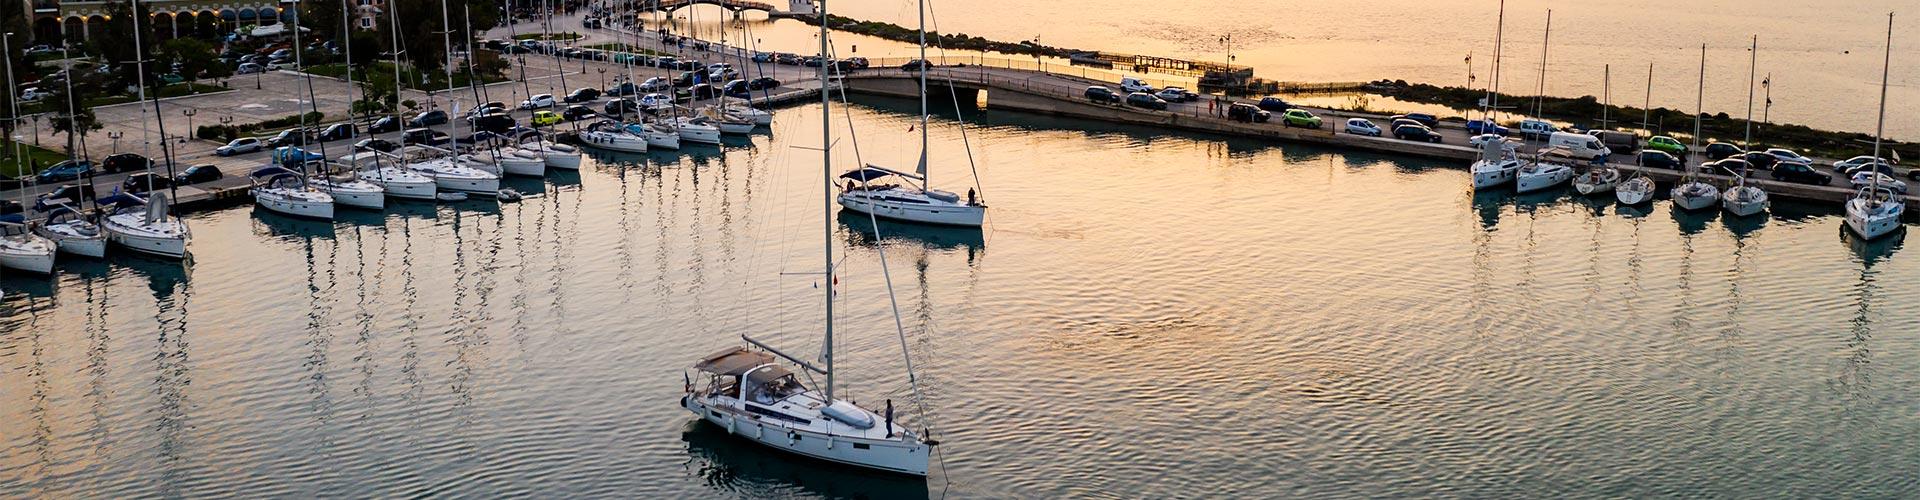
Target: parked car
x=858 y=62
x=1850 y=163
x=537 y=102
x=1477 y=127
x=1131 y=84
x=288 y=137
x=1479 y=140
x=1759 y=160
x=145 y=181
x=70 y=195
x=428 y=118
x=1536 y=129
x=702 y=91
x=1274 y=104
x=1581 y=146
x=1176 y=94
x=1868 y=167
x=1659 y=159
x=576 y=112
x=1102 y=95
x=1297 y=117
x=1666 y=144
x=494 y=122
x=1720 y=150
x=239 y=146
x=376 y=144
x=1886 y=181
x=1247 y=113
x=620 y=106
x=1412 y=132
x=197 y=174
x=125 y=162
x=655 y=84
x=763 y=83
x=249 y=68
x=383 y=125
x=31 y=94
x=786 y=58
x=1788 y=155
x=736 y=88
x=65 y=171
x=544 y=118
x=585 y=94
x=337 y=132
x=1362 y=126
x=1615 y=140
x=1146 y=100
x=1428 y=120
x=1801 y=173
x=1727 y=166
x=623 y=89
x=1396 y=123
x=424 y=136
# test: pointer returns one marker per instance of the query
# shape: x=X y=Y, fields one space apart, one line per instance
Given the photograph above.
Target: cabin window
x=861 y=446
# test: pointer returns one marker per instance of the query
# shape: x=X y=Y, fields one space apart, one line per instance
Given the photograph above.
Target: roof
x=733 y=361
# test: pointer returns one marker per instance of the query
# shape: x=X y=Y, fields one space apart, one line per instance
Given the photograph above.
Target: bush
x=221 y=133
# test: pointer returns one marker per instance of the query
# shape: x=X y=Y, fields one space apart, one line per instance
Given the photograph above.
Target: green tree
x=194 y=56
x=114 y=43
x=420 y=34
x=81 y=122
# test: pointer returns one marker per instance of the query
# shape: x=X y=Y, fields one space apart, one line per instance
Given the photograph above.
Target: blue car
x=290 y=154
x=65 y=171
x=1274 y=104
x=1478 y=127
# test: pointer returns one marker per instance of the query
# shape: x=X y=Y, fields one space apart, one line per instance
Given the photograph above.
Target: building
x=171 y=18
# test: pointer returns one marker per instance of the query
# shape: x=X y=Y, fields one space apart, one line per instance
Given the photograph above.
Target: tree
x=114 y=42
x=420 y=35
x=324 y=17
x=13 y=19
x=82 y=121
x=192 y=54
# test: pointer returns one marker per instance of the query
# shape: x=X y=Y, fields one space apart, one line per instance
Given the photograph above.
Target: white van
x=1536 y=129
x=1131 y=84
x=1582 y=146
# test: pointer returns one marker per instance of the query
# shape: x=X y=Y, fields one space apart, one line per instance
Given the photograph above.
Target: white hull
x=403 y=185
x=529 y=165
x=663 y=139
x=487 y=185
x=560 y=156
x=69 y=241
x=1754 y=203
x=1593 y=183
x=736 y=128
x=1541 y=177
x=1487 y=175
x=127 y=231
x=1634 y=193
x=297 y=204
x=891 y=455
x=27 y=252
x=614 y=141
x=368 y=196
x=1700 y=201
x=1871 y=226
x=951 y=215
x=697 y=133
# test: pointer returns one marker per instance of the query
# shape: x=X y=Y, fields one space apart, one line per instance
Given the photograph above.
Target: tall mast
x=922 y=169
x=1646 y=109
x=1753 y=61
x=1539 y=100
x=1699 y=105
x=1493 y=92
x=1880 y=128
x=826 y=188
x=446 y=42
x=1606 y=92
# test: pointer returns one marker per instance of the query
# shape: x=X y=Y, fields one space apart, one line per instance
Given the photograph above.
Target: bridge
x=794 y=7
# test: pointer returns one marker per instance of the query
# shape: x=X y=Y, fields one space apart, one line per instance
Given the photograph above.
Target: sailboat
x=1742 y=199
x=1875 y=211
x=1599 y=177
x=754 y=397
x=338 y=182
x=21 y=249
x=146 y=225
x=63 y=231
x=1639 y=188
x=913 y=199
x=433 y=163
x=72 y=233
x=1545 y=169
x=367 y=167
x=1692 y=193
x=1497 y=165
x=278 y=189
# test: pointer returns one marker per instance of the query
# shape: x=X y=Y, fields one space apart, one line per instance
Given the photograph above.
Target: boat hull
x=708 y=135
x=1634 y=193
x=422 y=189
x=530 y=167
x=295 y=208
x=94 y=246
x=948 y=215
x=1702 y=202
x=1869 y=226
x=372 y=200
x=30 y=257
x=162 y=246
x=1525 y=182
x=467 y=184
x=1485 y=177
x=562 y=160
x=881 y=455
x=1743 y=208
x=663 y=140
x=624 y=143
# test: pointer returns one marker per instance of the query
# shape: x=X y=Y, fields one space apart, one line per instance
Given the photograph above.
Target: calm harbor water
x=1148 y=316
x=1823 y=58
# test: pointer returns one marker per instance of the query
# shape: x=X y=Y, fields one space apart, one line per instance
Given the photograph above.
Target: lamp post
x=115 y=135
x=603 y=78
x=36 y=131
x=189 y=112
x=256 y=77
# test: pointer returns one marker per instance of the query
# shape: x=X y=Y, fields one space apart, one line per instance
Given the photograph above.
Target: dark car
x=1146 y=100
x=1759 y=160
x=494 y=122
x=197 y=174
x=125 y=162
x=582 y=95
x=1721 y=150
x=763 y=83
x=424 y=136
x=1726 y=166
x=70 y=195
x=65 y=171
x=1801 y=173
x=337 y=132
x=736 y=88
x=702 y=91
x=858 y=62
x=144 y=182
x=1274 y=104
x=916 y=65
x=428 y=118
x=787 y=59
x=619 y=107
x=376 y=144
x=1868 y=167
x=576 y=112
x=623 y=89
x=1102 y=95
x=1659 y=159
x=1413 y=132
x=1428 y=120
x=1243 y=112
x=384 y=125
x=289 y=137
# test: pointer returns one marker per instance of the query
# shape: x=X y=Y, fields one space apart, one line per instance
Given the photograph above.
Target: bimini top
x=271 y=172
x=873 y=172
x=733 y=361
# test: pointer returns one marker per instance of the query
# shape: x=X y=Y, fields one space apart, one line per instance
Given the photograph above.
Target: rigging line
x=846 y=109
x=961 y=118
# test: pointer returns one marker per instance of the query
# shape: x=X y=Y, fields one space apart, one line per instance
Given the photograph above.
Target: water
x=1824 y=59
x=1149 y=316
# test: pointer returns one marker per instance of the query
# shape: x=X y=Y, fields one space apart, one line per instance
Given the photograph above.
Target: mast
x=1753 y=54
x=1540 y=98
x=446 y=42
x=1493 y=92
x=1880 y=128
x=140 y=80
x=346 y=36
x=1606 y=92
x=1646 y=109
x=1699 y=104
x=925 y=181
x=826 y=189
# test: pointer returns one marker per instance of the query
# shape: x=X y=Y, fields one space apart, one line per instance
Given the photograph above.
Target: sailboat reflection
x=1875 y=250
x=736 y=466
x=860 y=232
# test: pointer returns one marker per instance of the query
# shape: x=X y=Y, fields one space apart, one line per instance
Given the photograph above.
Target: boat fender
x=792 y=437
x=730 y=426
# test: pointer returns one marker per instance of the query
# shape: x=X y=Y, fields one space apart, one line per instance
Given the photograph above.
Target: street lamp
x=603 y=78
x=115 y=135
x=189 y=112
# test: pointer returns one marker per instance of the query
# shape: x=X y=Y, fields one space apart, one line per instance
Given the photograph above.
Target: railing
x=1043 y=66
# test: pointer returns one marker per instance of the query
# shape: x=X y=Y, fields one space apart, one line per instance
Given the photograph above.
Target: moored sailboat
x=1875 y=211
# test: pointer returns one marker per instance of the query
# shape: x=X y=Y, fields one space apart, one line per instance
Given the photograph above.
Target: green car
x=1668 y=144
x=172 y=78
x=1297 y=117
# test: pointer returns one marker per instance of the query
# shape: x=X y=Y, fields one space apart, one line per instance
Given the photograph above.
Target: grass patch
x=568 y=35
x=35 y=158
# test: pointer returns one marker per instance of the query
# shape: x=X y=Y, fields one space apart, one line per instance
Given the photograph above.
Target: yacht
x=286 y=192
x=1545 y=171
x=1498 y=159
x=1596 y=180
x=382 y=169
x=556 y=155
x=516 y=161
x=908 y=201
x=1692 y=193
x=1874 y=210
x=1744 y=200
x=659 y=134
x=1635 y=190
x=727 y=123
x=697 y=129
x=449 y=175
x=348 y=189
x=72 y=233
x=22 y=250
x=143 y=225
x=611 y=136
x=746 y=110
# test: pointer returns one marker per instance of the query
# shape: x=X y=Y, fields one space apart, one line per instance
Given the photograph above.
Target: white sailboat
x=1600 y=177
x=1545 y=169
x=1692 y=193
x=611 y=136
x=695 y=129
x=22 y=250
x=913 y=199
x=755 y=398
x=1497 y=165
x=280 y=190
x=366 y=167
x=1743 y=199
x=1638 y=188
x=64 y=229
x=449 y=175
x=347 y=188
x=72 y=233
x=1875 y=211
x=146 y=225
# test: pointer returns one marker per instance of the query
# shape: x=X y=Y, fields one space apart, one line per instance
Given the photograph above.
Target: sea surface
x=1148 y=316
x=1823 y=59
